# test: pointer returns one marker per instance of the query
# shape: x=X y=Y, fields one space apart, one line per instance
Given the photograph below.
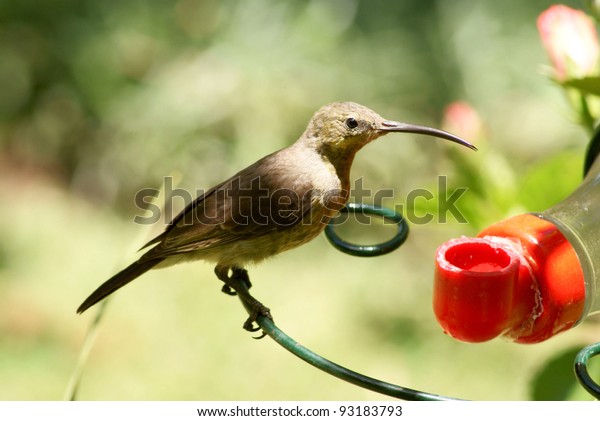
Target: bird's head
x=345 y=127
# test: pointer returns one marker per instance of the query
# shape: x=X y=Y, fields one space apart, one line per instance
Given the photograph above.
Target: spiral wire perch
x=388 y=215
x=326 y=365
x=339 y=371
x=581 y=371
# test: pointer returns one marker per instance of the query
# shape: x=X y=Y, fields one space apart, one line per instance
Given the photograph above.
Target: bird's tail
x=120 y=279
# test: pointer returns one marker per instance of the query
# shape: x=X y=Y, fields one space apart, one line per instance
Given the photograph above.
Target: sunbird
x=278 y=203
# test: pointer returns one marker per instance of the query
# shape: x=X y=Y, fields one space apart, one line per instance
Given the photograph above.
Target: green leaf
x=588 y=85
x=551 y=180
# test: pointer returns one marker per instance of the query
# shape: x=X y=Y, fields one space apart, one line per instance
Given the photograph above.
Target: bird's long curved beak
x=395 y=126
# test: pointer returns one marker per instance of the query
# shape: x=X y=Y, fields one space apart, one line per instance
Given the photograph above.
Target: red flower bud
x=571 y=41
x=462 y=119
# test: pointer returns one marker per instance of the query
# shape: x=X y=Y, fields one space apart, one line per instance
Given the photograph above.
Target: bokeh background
x=99 y=99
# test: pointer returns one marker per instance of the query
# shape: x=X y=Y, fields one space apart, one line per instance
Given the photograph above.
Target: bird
x=280 y=202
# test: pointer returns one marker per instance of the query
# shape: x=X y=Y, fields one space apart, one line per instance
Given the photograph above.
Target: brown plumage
x=280 y=202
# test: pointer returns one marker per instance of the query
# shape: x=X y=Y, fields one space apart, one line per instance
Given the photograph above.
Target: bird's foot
x=240 y=275
x=239 y=284
x=259 y=310
x=228 y=290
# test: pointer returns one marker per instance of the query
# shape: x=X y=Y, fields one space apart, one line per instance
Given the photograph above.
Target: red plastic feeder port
x=474 y=285
x=521 y=278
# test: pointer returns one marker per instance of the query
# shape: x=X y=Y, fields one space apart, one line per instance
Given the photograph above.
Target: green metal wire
x=581 y=364
x=326 y=365
x=387 y=215
x=339 y=371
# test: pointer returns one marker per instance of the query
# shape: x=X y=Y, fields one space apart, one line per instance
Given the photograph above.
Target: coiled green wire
x=341 y=372
x=388 y=215
x=326 y=365
x=581 y=371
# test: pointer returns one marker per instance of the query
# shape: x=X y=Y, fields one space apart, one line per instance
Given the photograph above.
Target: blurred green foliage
x=99 y=99
x=114 y=95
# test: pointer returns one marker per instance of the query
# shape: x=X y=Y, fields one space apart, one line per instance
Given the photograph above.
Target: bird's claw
x=262 y=335
x=228 y=290
x=259 y=310
x=239 y=284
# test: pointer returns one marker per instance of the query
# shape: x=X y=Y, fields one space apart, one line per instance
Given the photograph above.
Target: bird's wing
x=181 y=215
x=252 y=203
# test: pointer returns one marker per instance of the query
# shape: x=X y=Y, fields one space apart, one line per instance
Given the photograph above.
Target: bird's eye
x=351 y=123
